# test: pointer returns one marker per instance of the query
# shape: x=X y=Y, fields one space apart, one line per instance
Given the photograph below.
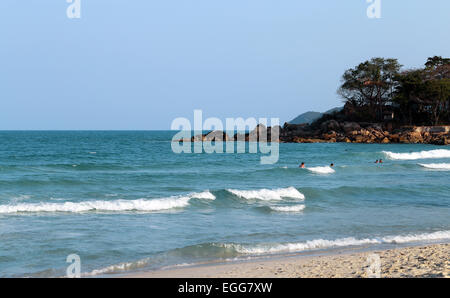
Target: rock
x=364 y=132
x=330 y=135
x=403 y=139
x=440 y=139
x=198 y=138
x=377 y=126
x=359 y=139
x=258 y=134
x=350 y=126
x=415 y=137
x=394 y=138
x=330 y=125
x=216 y=136
x=307 y=140
x=378 y=134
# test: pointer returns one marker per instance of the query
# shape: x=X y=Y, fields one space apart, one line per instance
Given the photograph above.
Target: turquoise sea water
x=124 y=202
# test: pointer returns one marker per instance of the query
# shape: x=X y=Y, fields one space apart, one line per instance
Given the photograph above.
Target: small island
x=382 y=104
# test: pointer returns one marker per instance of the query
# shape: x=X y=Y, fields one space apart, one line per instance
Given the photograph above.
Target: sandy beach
x=430 y=261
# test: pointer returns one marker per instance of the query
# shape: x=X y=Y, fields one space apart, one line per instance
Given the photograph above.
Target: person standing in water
x=302 y=165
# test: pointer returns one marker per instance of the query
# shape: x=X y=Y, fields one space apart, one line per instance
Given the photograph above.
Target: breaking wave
x=122 y=267
x=296 y=208
x=232 y=252
x=143 y=205
x=268 y=194
x=436 y=166
x=439 y=153
x=324 y=244
x=205 y=195
x=321 y=170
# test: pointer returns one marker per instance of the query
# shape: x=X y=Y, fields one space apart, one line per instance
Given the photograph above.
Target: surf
x=293 y=209
x=321 y=170
x=261 y=249
x=438 y=153
x=140 y=205
x=436 y=166
x=268 y=194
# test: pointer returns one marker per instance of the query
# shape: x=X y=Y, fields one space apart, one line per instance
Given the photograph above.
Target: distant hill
x=338 y=109
x=310 y=117
x=307 y=117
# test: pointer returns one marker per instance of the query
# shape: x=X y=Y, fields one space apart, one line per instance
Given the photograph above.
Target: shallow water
x=124 y=202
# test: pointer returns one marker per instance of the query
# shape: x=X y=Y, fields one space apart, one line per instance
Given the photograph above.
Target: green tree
x=410 y=83
x=436 y=62
x=370 y=85
x=424 y=94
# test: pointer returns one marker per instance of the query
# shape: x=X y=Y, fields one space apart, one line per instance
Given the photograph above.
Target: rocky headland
x=383 y=104
x=332 y=131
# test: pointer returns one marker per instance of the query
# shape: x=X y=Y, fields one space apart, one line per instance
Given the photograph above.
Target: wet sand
x=422 y=261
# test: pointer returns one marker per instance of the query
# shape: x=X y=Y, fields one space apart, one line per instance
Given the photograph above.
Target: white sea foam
x=142 y=205
x=321 y=170
x=205 y=195
x=438 y=153
x=436 y=166
x=440 y=235
x=122 y=267
x=263 y=249
x=323 y=244
x=269 y=194
x=146 y=205
x=296 y=208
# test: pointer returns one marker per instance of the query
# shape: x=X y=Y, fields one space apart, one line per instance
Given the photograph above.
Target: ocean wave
x=142 y=205
x=438 y=153
x=436 y=166
x=321 y=170
x=117 y=268
x=234 y=252
x=268 y=194
x=296 y=208
x=324 y=244
x=205 y=195
x=106 y=206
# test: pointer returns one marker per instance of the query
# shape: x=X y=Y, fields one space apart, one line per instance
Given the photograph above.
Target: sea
x=124 y=202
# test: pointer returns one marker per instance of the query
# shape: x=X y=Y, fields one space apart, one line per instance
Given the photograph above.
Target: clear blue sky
x=138 y=64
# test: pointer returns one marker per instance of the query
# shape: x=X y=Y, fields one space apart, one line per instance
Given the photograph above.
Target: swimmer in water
x=332 y=165
x=376 y=161
x=381 y=161
x=302 y=165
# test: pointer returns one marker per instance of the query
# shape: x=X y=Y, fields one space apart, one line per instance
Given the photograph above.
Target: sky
x=138 y=65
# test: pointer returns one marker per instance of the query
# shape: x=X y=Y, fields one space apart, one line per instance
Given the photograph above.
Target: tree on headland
x=424 y=94
x=437 y=62
x=418 y=96
x=370 y=86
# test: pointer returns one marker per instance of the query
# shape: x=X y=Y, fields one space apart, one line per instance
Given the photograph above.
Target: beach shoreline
x=422 y=261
